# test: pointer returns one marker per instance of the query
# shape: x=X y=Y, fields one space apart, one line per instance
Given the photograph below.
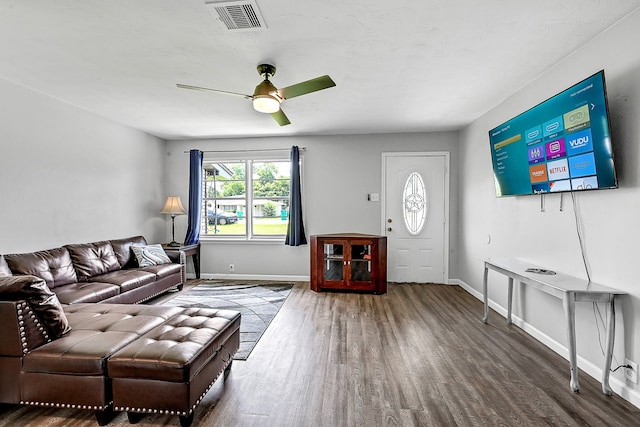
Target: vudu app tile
x=580 y=142
x=556 y=149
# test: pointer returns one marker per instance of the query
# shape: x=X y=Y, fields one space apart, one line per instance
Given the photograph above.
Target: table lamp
x=173 y=206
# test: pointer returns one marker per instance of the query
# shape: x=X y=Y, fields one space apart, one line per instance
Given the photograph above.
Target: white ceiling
x=399 y=65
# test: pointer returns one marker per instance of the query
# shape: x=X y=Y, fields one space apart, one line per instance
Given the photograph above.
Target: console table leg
x=196 y=264
x=611 y=332
x=569 y=303
x=509 y=300
x=485 y=317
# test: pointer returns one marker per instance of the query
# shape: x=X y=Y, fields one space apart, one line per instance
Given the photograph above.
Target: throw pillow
x=4 y=268
x=42 y=300
x=150 y=255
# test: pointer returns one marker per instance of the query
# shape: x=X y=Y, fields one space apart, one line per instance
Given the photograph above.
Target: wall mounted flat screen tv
x=561 y=144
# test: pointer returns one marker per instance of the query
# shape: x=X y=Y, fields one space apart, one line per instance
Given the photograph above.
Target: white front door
x=416 y=216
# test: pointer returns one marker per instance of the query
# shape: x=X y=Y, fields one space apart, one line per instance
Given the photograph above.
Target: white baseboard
x=275 y=278
x=618 y=386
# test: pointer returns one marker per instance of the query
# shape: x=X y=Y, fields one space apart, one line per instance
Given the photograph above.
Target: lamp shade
x=173 y=206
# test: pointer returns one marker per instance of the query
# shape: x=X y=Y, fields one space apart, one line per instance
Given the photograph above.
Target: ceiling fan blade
x=281 y=118
x=181 y=86
x=303 y=88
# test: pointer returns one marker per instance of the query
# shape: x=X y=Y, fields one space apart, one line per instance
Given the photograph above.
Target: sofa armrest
x=179 y=257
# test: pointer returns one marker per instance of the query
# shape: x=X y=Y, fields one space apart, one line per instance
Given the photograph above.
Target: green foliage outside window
x=269 y=209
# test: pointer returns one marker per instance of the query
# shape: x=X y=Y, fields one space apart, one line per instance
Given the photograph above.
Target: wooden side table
x=192 y=251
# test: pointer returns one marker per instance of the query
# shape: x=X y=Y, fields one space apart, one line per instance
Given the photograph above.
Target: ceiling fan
x=267 y=98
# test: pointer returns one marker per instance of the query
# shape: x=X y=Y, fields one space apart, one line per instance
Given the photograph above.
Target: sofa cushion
x=93 y=259
x=164 y=270
x=43 y=302
x=119 y=317
x=75 y=293
x=126 y=279
x=122 y=249
x=4 y=268
x=53 y=265
x=150 y=255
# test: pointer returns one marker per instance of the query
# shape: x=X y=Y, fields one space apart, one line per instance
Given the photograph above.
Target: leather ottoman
x=71 y=371
x=170 y=368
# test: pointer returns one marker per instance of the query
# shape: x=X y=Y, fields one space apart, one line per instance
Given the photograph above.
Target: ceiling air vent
x=237 y=15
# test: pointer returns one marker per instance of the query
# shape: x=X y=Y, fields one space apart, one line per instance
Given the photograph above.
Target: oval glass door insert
x=414 y=204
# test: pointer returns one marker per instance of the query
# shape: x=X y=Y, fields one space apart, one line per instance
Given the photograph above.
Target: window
x=414 y=203
x=246 y=199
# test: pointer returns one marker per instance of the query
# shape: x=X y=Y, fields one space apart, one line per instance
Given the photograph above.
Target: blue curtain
x=195 y=197
x=295 y=228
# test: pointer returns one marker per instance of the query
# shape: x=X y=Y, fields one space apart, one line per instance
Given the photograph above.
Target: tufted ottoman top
x=176 y=350
x=98 y=330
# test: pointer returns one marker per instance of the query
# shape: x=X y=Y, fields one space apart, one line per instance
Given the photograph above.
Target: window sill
x=232 y=240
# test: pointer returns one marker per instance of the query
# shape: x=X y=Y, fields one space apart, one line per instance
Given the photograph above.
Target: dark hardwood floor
x=416 y=356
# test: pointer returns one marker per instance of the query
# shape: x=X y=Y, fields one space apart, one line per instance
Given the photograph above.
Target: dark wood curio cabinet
x=349 y=261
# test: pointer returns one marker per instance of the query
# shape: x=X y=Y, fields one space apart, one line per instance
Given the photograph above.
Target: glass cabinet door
x=360 y=263
x=333 y=261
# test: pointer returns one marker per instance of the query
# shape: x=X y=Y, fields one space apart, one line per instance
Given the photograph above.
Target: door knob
x=389 y=229
x=389 y=220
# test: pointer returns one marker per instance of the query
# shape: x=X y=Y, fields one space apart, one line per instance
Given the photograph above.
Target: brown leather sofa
x=105 y=271
x=106 y=357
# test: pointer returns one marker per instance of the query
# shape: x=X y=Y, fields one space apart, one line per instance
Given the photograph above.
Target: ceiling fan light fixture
x=267 y=98
x=266 y=104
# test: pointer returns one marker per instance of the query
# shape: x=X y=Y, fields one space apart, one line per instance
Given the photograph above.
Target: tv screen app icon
x=538 y=173
x=580 y=142
x=582 y=165
x=558 y=170
x=536 y=154
x=556 y=149
x=533 y=135
x=553 y=127
x=586 y=183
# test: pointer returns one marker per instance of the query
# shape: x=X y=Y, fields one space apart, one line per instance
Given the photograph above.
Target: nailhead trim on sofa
x=21 y=308
x=66 y=405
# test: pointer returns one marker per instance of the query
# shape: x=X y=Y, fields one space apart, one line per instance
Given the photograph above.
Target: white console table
x=570 y=290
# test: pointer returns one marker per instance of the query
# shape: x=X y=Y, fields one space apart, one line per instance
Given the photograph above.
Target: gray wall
x=516 y=227
x=338 y=173
x=69 y=176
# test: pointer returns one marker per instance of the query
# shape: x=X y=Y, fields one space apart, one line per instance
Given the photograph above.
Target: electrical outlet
x=232 y=267
x=631 y=374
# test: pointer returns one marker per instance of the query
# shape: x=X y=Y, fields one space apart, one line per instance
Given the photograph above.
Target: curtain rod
x=248 y=150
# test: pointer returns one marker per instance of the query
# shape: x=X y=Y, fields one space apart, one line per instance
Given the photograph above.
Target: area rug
x=258 y=302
